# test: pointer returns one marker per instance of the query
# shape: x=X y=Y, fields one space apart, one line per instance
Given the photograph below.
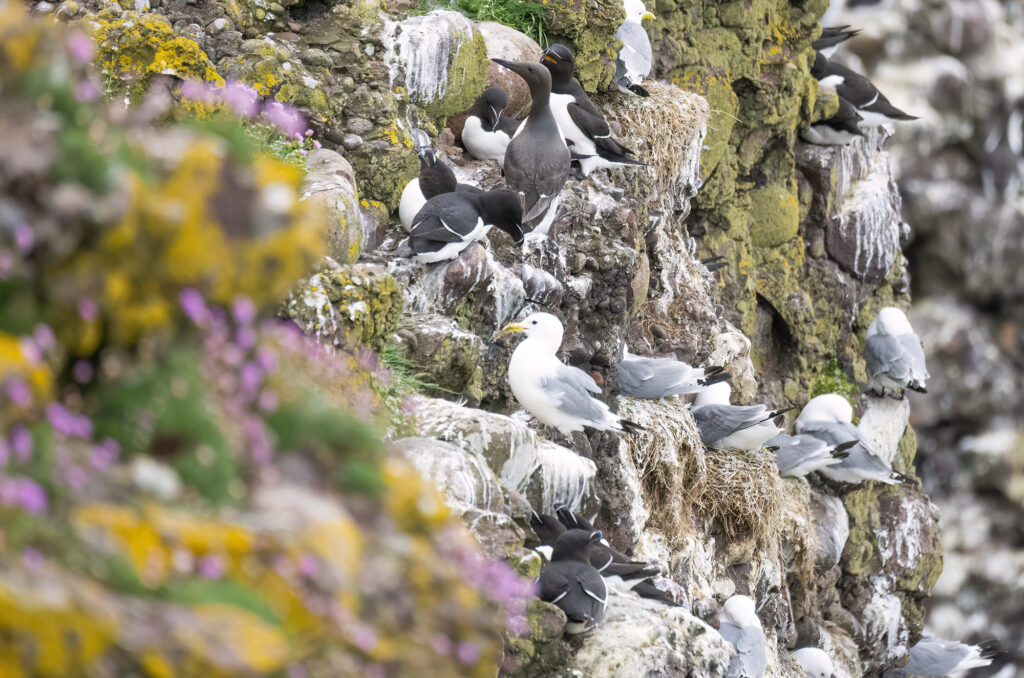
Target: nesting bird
x=449 y=222
x=933 y=656
x=581 y=123
x=838 y=130
x=633 y=63
x=815 y=663
x=537 y=159
x=435 y=178
x=741 y=627
x=828 y=417
x=734 y=427
x=893 y=354
x=486 y=132
x=555 y=393
x=656 y=378
x=872 y=106
x=572 y=583
x=798 y=455
x=831 y=38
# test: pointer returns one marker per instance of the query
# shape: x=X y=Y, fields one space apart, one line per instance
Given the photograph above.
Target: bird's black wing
x=883 y=106
x=446 y=218
x=508 y=125
x=595 y=127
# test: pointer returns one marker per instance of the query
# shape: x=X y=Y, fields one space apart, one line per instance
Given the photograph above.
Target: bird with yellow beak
x=556 y=394
x=633 y=63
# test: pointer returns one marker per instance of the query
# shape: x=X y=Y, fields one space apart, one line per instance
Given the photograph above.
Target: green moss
x=774 y=216
x=526 y=17
x=467 y=77
x=832 y=379
x=907 y=450
x=588 y=28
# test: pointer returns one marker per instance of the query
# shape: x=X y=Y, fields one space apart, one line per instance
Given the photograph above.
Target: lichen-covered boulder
x=449 y=358
x=588 y=28
x=331 y=182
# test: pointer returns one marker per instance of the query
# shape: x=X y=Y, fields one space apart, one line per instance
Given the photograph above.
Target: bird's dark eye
x=534 y=322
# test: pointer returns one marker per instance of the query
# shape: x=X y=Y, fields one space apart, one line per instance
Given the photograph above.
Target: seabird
x=656 y=378
x=557 y=394
x=828 y=417
x=734 y=427
x=579 y=120
x=893 y=354
x=839 y=130
x=999 y=148
x=740 y=626
x=936 y=657
x=435 y=178
x=831 y=38
x=537 y=159
x=572 y=583
x=798 y=455
x=871 y=104
x=815 y=663
x=634 y=60
x=486 y=132
x=449 y=222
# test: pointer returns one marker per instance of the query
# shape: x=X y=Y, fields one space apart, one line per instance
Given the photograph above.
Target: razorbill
x=634 y=60
x=831 y=38
x=486 y=132
x=839 y=130
x=537 y=159
x=871 y=104
x=579 y=120
x=572 y=583
x=449 y=222
x=657 y=378
x=829 y=418
x=893 y=354
x=557 y=394
x=734 y=427
x=435 y=178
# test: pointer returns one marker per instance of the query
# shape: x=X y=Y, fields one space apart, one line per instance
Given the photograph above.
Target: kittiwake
x=798 y=455
x=634 y=60
x=893 y=354
x=936 y=657
x=655 y=378
x=741 y=627
x=815 y=663
x=734 y=427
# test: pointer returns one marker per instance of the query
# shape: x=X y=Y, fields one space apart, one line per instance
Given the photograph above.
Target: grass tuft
x=525 y=17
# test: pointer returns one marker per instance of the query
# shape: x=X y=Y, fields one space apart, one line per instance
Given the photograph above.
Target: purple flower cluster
x=497 y=581
x=245 y=103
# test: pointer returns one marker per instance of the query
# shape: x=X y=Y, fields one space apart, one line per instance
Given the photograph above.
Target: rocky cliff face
x=813 y=241
x=959 y=168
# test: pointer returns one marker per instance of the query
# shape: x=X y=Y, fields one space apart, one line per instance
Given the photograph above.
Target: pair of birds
x=581 y=565
x=861 y=105
x=534 y=155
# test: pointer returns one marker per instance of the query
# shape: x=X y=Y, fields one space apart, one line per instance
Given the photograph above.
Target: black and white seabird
x=839 y=130
x=572 y=583
x=486 y=132
x=579 y=120
x=449 y=222
x=933 y=656
x=740 y=626
x=633 y=63
x=893 y=354
x=828 y=417
x=435 y=178
x=605 y=559
x=798 y=455
x=831 y=38
x=657 y=378
x=871 y=104
x=734 y=427
x=537 y=159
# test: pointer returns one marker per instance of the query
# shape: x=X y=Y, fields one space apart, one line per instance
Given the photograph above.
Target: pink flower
x=68 y=423
x=32 y=558
x=194 y=305
x=24 y=238
x=212 y=567
x=308 y=565
x=44 y=336
x=517 y=625
x=285 y=117
x=241 y=98
x=244 y=311
x=82 y=371
x=23 y=493
x=365 y=638
x=86 y=91
x=105 y=454
x=468 y=653
x=19 y=392
x=198 y=90
x=21 y=442
x=87 y=309
x=80 y=46
x=268 y=400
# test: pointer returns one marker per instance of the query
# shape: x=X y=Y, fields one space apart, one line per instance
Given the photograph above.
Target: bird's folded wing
x=718 y=421
x=912 y=349
x=595 y=127
x=552 y=584
x=884 y=354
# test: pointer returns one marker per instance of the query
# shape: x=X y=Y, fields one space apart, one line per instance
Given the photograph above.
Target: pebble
x=351 y=142
x=316 y=57
x=359 y=125
x=219 y=25
x=659 y=332
x=44 y=7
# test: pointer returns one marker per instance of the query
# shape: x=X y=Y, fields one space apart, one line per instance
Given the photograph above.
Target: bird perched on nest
x=872 y=106
x=741 y=627
x=537 y=159
x=815 y=663
x=656 y=378
x=580 y=121
x=798 y=455
x=556 y=394
x=840 y=129
x=435 y=178
x=486 y=132
x=572 y=583
x=449 y=222
x=634 y=60
x=734 y=427
x=894 y=355
x=933 y=656
x=831 y=38
x=828 y=417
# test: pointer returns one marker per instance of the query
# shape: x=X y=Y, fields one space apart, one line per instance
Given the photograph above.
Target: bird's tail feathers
x=638 y=90
x=630 y=426
x=989 y=649
x=841 y=451
x=647 y=589
x=714 y=378
x=917 y=386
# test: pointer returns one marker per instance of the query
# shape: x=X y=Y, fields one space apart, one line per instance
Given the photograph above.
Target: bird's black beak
x=510 y=65
x=516 y=232
x=497 y=117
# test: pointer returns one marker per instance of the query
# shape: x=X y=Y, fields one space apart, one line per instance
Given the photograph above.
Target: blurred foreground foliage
x=189 y=486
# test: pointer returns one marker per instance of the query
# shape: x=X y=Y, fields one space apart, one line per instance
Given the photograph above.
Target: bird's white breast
x=410 y=204
x=582 y=144
x=484 y=144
